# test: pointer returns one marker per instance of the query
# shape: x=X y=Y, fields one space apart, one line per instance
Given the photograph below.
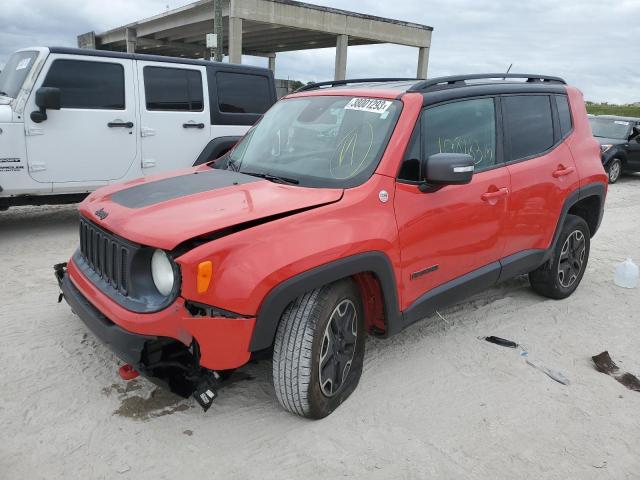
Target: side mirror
x=46 y=98
x=635 y=133
x=446 y=169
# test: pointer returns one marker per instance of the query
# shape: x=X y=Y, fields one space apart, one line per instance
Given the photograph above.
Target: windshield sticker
x=371 y=105
x=619 y=122
x=22 y=64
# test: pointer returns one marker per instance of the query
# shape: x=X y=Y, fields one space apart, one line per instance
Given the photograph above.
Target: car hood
x=163 y=212
x=610 y=141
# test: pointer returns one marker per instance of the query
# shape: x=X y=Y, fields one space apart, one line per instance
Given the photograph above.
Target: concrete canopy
x=262 y=28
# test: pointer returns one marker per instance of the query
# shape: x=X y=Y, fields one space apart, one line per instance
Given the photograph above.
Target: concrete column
x=342 y=45
x=235 y=40
x=423 y=62
x=131 y=37
x=87 y=40
x=272 y=62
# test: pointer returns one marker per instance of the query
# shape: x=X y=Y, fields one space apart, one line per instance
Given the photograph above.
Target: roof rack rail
x=336 y=83
x=460 y=80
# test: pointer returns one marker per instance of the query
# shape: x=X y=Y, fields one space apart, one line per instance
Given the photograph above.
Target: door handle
x=562 y=171
x=120 y=124
x=193 y=125
x=488 y=196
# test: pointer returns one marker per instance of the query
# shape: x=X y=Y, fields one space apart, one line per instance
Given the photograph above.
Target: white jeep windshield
x=15 y=71
x=323 y=141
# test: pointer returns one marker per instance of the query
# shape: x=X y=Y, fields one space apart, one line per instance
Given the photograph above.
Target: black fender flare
x=283 y=294
x=215 y=148
x=595 y=189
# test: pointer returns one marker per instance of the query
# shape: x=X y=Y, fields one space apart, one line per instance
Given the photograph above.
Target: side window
x=468 y=126
x=87 y=84
x=529 y=125
x=173 y=89
x=565 y=115
x=243 y=93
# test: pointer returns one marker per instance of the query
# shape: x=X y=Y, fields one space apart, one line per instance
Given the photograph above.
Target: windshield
x=610 y=128
x=15 y=71
x=324 y=141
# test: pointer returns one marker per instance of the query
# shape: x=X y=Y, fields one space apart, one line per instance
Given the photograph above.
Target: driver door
x=92 y=139
x=633 y=152
x=457 y=230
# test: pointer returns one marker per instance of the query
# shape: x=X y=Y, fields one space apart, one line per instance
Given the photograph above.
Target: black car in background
x=619 y=139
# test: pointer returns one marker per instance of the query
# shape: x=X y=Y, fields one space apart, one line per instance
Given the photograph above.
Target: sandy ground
x=433 y=402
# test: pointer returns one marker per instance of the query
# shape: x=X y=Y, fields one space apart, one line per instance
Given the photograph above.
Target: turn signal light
x=205 y=271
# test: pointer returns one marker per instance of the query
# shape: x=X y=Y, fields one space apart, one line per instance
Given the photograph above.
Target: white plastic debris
x=626 y=275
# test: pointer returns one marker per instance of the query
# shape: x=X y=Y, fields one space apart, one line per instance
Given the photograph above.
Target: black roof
x=153 y=58
x=459 y=86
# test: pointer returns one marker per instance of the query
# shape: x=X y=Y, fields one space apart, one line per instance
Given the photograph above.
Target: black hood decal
x=167 y=189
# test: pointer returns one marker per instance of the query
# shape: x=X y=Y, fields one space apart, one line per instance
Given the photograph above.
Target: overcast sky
x=594 y=44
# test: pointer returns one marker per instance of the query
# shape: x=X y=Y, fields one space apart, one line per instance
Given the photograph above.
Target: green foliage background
x=606 y=109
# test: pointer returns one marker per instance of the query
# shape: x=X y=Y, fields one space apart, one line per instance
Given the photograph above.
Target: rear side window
x=243 y=93
x=468 y=126
x=564 y=113
x=86 y=84
x=173 y=89
x=529 y=125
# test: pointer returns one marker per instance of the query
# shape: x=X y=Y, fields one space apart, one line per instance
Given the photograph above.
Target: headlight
x=605 y=148
x=162 y=272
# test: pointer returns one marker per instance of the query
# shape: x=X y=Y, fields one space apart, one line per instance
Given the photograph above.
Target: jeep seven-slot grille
x=106 y=254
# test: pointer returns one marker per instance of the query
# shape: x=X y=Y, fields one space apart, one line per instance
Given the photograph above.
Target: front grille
x=106 y=254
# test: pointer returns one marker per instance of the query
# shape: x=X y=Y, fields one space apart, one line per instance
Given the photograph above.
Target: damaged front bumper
x=163 y=359
x=126 y=345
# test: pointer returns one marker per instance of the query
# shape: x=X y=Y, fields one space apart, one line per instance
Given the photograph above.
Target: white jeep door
x=92 y=138
x=175 y=120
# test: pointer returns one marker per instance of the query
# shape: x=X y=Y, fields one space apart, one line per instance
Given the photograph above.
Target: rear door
x=543 y=172
x=459 y=228
x=92 y=138
x=175 y=119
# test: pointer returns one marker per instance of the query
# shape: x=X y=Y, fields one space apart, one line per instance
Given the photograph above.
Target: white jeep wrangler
x=73 y=120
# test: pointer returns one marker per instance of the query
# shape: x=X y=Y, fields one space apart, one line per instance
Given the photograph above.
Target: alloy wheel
x=338 y=347
x=614 y=172
x=571 y=259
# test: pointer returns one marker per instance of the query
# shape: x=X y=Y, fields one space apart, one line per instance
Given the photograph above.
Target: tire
x=559 y=277
x=304 y=342
x=614 y=170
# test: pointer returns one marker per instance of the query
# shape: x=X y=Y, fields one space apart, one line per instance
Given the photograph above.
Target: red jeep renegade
x=352 y=207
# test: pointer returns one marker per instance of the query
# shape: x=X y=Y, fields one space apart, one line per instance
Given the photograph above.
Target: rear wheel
x=614 y=170
x=560 y=276
x=319 y=349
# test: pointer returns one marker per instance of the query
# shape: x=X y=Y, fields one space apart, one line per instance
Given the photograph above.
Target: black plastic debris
x=503 y=342
x=605 y=364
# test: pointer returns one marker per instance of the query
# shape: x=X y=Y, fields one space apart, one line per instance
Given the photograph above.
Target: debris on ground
x=503 y=342
x=553 y=374
x=605 y=364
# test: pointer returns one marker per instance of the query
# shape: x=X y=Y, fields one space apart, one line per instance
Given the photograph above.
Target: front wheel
x=560 y=276
x=614 y=170
x=319 y=349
